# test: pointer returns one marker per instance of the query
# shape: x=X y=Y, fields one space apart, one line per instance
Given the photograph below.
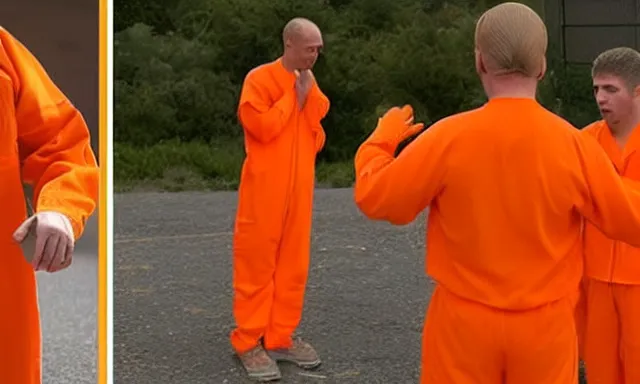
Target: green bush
x=179 y=68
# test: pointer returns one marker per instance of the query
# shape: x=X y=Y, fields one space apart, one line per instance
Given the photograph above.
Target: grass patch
x=198 y=166
x=175 y=166
x=335 y=175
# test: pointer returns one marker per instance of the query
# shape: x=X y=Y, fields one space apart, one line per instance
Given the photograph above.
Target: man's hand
x=304 y=81
x=395 y=126
x=54 y=240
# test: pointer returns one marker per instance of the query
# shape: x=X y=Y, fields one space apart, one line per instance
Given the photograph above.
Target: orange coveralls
x=508 y=185
x=581 y=315
x=612 y=270
x=272 y=236
x=46 y=139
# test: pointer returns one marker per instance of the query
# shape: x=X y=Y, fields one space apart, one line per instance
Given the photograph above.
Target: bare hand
x=397 y=125
x=304 y=81
x=54 y=240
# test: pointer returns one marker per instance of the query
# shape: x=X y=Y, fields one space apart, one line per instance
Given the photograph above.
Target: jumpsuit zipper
x=293 y=169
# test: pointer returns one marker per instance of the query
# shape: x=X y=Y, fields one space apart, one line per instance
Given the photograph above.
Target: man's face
x=615 y=99
x=305 y=49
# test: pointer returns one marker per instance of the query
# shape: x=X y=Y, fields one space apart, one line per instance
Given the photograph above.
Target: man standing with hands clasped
x=280 y=109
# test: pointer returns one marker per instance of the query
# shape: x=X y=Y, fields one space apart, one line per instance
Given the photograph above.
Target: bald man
x=281 y=108
x=509 y=185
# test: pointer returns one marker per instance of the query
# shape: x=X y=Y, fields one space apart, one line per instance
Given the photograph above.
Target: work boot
x=300 y=353
x=259 y=365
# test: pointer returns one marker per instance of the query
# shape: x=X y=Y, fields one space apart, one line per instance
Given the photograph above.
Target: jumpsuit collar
x=283 y=73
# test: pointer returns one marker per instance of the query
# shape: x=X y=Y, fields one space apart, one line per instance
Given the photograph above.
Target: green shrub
x=178 y=77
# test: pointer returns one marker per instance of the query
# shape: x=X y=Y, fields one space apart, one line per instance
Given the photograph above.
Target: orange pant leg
x=20 y=332
x=21 y=347
x=469 y=343
x=601 y=352
x=612 y=349
x=292 y=268
x=628 y=300
x=542 y=344
x=461 y=342
x=257 y=234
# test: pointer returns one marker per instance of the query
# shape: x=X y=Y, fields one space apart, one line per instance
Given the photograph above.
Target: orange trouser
x=469 y=343
x=612 y=339
x=271 y=263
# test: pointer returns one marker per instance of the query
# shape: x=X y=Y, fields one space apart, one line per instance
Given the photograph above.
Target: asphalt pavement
x=365 y=302
x=68 y=307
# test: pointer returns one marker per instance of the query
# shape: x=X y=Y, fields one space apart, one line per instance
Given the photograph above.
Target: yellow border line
x=102 y=212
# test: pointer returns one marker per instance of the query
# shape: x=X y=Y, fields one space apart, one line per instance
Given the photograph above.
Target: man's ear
x=636 y=91
x=543 y=69
x=480 y=67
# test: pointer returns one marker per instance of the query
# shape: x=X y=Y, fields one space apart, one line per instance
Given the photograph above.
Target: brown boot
x=300 y=353
x=259 y=365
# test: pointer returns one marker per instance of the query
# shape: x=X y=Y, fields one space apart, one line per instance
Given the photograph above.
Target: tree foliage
x=179 y=65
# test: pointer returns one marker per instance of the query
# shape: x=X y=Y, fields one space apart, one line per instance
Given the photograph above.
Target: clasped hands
x=304 y=81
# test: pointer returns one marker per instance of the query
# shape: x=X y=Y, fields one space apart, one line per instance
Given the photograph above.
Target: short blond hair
x=622 y=62
x=512 y=39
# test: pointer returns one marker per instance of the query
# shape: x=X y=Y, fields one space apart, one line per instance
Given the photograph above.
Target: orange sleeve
x=610 y=202
x=398 y=189
x=591 y=129
x=53 y=140
x=261 y=119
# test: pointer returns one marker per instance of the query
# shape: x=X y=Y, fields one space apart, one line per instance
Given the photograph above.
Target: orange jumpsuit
x=612 y=269
x=272 y=235
x=46 y=139
x=508 y=185
x=581 y=315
